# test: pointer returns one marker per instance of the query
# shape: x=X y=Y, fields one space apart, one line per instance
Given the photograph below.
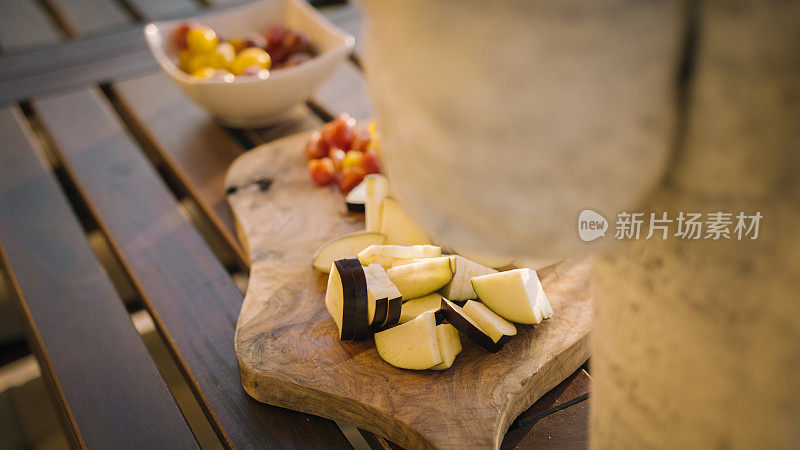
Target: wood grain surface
x=105 y=383
x=288 y=349
x=185 y=137
x=191 y=297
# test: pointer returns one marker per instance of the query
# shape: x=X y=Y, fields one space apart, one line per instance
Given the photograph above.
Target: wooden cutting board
x=288 y=348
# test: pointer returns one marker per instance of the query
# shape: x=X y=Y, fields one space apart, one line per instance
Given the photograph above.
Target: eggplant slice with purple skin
x=463 y=323
x=348 y=295
x=393 y=315
x=354 y=301
x=381 y=314
x=361 y=308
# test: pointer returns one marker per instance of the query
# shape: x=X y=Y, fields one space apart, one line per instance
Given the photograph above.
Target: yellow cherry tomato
x=183 y=59
x=352 y=158
x=201 y=40
x=204 y=73
x=223 y=56
x=238 y=44
x=195 y=62
x=251 y=56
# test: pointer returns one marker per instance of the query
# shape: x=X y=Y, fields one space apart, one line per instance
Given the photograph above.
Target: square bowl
x=253 y=101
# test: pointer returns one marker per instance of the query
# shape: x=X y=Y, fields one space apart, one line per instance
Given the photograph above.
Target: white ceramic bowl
x=252 y=101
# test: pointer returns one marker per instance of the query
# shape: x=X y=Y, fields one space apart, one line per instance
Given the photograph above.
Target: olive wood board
x=288 y=348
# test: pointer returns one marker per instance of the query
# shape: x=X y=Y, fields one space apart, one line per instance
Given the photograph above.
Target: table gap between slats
x=188 y=293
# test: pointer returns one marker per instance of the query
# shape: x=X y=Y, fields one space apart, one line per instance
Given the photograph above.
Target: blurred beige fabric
x=502 y=120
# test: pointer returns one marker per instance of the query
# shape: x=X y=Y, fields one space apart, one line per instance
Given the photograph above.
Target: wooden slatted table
x=91 y=117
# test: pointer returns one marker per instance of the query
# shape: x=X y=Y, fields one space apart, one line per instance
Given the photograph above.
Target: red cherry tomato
x=361 y=141
x=350 y=178
x=321 y=171
x=337 y=155
x=316 y=147
x=340 y=132
x=275 y=35
x=371 y=162
x=179 y=35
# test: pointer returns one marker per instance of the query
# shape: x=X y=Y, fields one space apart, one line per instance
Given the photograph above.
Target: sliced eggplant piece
x=347 y=246
x=339 y=297
x=395 y=310
x=361 y=321
x=421 y=278
x=385 y=255
x=463 y=323
x=398 y=226
x=379 y=314
x=492 y=324
x=381 y=293
x=412 y=345
x=449 y=345
x=516 y=295
x=376 y=188
x=417 y=306
x=357 y=198
x=460 y=287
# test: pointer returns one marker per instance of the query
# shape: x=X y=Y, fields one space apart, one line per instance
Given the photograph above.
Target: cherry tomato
x=192 y=62
x=350 y=178
x=201 y=39
x=295 y=42
x=223 y=56
x=251 y=56
x=275 y=35
x=321 y=171
x=316 y=147
x=340 y=132
x=178 y=35
x=204 y=73
x=248 y=40
x=361 y=141
x=337 y=156
x=352 y=159
x=371 y=162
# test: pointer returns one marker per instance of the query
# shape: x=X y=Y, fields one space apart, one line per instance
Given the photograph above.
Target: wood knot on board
x=264 y=184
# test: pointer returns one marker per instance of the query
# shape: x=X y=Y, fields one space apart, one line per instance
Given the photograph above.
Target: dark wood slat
x=83 y=17
x=74 y=77
x=71 y=53
x=226 y=3
x=106 y=383
x=190 y=296
x=564 y=429
x=195 y=148
x=24 y=23
x=160 y=9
